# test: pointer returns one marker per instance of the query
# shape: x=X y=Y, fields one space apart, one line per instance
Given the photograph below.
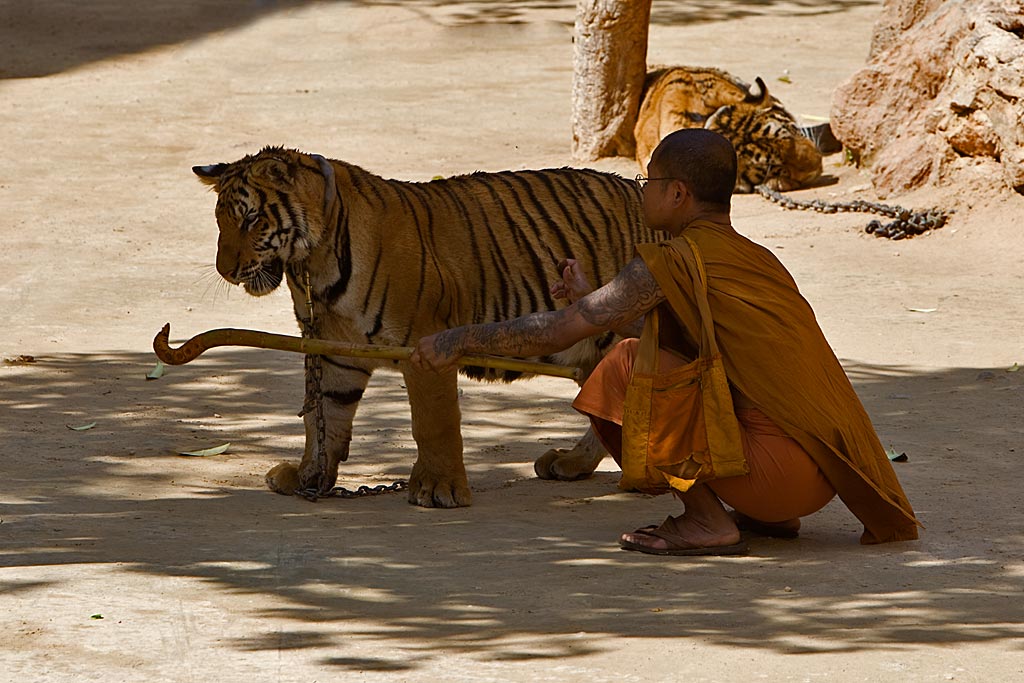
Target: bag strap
x=674 y=296
x=647 y=352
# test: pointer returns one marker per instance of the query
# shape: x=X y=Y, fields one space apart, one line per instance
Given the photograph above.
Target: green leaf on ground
x=157 y=372
x=896 y=457
x=96 y=616
x=81 y=428
x=216 y=450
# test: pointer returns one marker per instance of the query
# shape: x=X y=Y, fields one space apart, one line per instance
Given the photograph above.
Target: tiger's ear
x=755 y=97
x=274 y=169
x=209 y=175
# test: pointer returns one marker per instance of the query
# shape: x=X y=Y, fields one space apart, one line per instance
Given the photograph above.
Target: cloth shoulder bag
x=679 y=426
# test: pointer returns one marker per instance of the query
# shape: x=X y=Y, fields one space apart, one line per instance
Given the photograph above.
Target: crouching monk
x=805 y=435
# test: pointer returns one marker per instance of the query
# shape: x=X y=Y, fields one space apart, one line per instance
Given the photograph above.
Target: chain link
x=905 y=223
x=313 y=494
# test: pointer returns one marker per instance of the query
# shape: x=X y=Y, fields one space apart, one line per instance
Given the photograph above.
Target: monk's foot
x=789 y=528
x=682 y=536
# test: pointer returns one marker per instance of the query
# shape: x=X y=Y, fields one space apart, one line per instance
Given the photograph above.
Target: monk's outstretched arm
x=618 y=304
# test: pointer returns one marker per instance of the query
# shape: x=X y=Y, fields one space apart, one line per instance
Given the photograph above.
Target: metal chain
x=905 y=223
x=312 y=494
x=314 y=401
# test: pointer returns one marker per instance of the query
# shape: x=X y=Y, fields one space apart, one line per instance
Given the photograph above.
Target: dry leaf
x=216 y=450
x=157 y=372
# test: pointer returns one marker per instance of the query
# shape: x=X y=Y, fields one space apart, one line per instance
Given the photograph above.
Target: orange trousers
x=784 y=483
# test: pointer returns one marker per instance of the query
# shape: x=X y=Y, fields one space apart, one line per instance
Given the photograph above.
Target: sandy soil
x=122 y=561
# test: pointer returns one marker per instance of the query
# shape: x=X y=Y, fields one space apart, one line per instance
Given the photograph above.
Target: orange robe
x=777 y=357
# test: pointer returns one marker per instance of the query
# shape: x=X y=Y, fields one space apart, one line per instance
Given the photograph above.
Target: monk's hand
x=439 y=352
x=574 y=284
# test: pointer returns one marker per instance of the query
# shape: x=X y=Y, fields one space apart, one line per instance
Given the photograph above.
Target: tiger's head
x=271 y=210
x=770 y=148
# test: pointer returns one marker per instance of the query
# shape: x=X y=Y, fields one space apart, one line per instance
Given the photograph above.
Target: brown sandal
x=678 y=545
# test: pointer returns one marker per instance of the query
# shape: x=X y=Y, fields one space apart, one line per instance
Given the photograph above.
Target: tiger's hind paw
x=567 y=464
x=283 y=479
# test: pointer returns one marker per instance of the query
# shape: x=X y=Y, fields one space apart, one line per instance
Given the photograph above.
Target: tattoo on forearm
x=623 y=301
x=620 y=306
x=527 y=336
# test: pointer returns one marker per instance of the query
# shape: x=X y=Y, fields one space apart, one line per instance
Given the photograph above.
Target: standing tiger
x=391 y=261
x=770 y=148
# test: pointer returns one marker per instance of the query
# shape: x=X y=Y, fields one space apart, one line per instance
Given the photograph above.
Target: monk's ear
x=679 y=192
x=210 y=175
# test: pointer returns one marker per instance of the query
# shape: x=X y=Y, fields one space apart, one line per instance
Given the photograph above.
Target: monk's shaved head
x=704 y=160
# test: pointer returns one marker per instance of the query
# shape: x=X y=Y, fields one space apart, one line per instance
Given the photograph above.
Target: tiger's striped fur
x=770 y=147
x=392 y=261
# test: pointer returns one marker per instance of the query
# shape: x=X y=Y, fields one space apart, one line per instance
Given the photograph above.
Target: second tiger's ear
x=758 y=96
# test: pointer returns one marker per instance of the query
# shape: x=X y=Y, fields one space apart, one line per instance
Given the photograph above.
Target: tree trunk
x=609 y=66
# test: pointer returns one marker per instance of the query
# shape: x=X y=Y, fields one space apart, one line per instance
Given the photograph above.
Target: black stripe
x=400 y=192
x=496 y=304
x=622 y=232
x=261 y=197
x=541 y=211
x=371 y=185
x=343 y=251
x=378 y=322
x=515 y=231
x=554 y=230
x=344 y=398
x=449 y=189
x=595 y=226
x=345 y=366
x=290 y=210
x=542 y=270
x=407 y=192
x=373 y=277
x=583 y=184
x=529 y=287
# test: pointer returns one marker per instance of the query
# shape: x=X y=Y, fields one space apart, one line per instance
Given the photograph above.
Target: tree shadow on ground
x=664 y=12
x=45 y=37
x=49 y=36
x=531 y=570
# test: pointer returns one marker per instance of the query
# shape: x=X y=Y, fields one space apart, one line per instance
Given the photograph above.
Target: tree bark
x=609 y=66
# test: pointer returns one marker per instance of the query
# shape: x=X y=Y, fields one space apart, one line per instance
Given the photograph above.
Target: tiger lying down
x=391 y=261
x=770 y=148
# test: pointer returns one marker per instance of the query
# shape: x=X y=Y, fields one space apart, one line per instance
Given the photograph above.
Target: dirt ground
x=122 y=561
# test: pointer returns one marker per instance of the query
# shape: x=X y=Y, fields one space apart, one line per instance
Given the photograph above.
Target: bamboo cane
x=195 y=346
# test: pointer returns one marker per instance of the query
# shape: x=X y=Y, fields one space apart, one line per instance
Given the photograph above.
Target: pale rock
x=944 y=83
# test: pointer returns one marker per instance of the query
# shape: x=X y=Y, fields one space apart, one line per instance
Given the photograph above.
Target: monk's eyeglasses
x=641 y=181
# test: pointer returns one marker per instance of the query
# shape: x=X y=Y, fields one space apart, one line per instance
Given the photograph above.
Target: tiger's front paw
x=437 y=491
x=283 y=479
x=567 y=464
